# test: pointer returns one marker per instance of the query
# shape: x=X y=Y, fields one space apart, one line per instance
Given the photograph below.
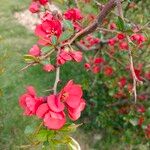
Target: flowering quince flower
x=108 y=71
x=55 y=104
x=34 y=7
x=71 y=94
x=123 y=45
x=73 y=14
x=138 y=74
x=35 y=51
x=63 y=57
x=119 y=94
x=147 y=131
x=54 y=120
x=66 y=55
x=87 y=66
x=142 y=97
x=140 y=109
x=77 y=26
x=130 y=87
x=48 y=67
x=112 y=42
x=147 y=75
x=75 y=113
x=43 y=2
x=112 y=26
x=99 y=60
x=139 y=38
x=122 y=82
x=30 y=102
x=47 y=29
x=140 y=121
x=76 y=56
x=96 y=69
x=120 y=36
x=123 y=110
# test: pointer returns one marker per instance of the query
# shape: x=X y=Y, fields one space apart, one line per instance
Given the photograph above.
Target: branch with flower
x=63 y=37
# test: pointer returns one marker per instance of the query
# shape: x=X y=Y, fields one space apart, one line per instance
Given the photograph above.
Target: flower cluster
x=50 y=26
x=90 y=41
x=75 y=16
x=51 y=108
x=36 y=5
x=68 y=55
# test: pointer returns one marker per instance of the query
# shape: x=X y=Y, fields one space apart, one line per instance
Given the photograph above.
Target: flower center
x=64 y=96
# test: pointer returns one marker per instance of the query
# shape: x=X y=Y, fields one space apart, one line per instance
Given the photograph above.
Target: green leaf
x=65 y=35
x=68 y=30
x=42 y=135
x=68 y=25
x=54 y=40
x=46 y=49
x=30 y=58
x=70 y=127
x=120 y=24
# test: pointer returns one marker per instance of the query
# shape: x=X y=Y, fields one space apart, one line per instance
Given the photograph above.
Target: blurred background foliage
x=102 y=128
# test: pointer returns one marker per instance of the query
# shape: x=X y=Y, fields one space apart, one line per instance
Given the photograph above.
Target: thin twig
x=57 y=78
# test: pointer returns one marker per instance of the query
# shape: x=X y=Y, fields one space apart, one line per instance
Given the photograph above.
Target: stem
x=56 y=80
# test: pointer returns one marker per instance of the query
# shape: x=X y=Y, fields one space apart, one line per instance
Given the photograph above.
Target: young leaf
x=30 y=58
x=46 y=49
x=68 y=25
x=54 y=40
x=120 y=24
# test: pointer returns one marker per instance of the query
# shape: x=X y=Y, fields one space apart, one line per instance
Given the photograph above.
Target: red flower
x=138 y=74
x=43 y=2
x=52 y=113
x=147 y=75
x=30 y=102
x=67 y=55
x=120 y=36
x=71 y=94
x=140 y=109
x=111 y=42
x=63 y=57
x=122 y=82
x=147 y=131
x=113 y=26
x=76 y=56
x=75 y=113
x=34 y=7
x=48 y=28
x=138 y=38
x=96 y=69
x=140 y=121
x=123 y=45
x=87 y=66
x=99 y=60
x=35 y=51
x=108 y=71
x=54 y=103
x=54 y=121
x=48 y=67
x=73 y=14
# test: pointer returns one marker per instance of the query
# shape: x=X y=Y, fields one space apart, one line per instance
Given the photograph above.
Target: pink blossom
x=73 y=14
x=34 y=7
x=54 y=121
x=48 y=67
x=30 y=102
x=35 y=51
